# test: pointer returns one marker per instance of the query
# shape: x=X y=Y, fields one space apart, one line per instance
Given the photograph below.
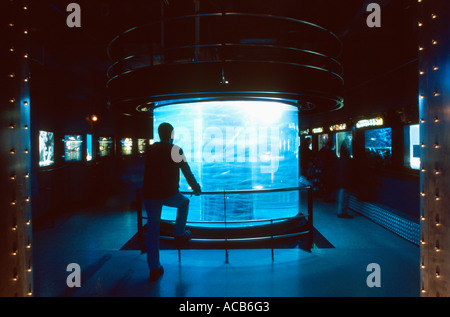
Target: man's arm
x=184 y=166
x=178 y=156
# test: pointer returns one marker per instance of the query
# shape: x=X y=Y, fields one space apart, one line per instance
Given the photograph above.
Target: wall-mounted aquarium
x=46 y=148
x=126 y=146
x=345 y=139
x=322 y=140
x=142 y=144
x=105 y=146
x=378 y=146
x=237 y=145
x=73 y=148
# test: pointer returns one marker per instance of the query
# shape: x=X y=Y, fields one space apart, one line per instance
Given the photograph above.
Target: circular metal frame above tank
x=225 y=56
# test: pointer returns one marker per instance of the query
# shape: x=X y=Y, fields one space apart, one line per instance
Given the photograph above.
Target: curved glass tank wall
x=236 y=145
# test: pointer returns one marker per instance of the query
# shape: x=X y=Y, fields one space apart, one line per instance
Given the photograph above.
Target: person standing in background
x=306 y=156
x=343 y=179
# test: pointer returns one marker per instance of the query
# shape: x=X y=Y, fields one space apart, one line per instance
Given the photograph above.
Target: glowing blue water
x=236 y=145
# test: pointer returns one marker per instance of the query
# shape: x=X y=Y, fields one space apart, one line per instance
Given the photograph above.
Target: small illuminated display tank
x=46 y=148
x=105 y=146
x=73 y=148
x=378 y=146
x=127 y=146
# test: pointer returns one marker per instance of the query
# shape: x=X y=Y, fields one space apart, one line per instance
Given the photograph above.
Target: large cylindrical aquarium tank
x=233 y=83
x=236 y=145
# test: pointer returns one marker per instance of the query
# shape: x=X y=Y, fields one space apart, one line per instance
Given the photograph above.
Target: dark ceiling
x=72 y=62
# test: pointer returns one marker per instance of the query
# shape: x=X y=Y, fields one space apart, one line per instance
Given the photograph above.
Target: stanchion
x=310 y=216
x=271 y=237
x=225 y=219
x=140 y=228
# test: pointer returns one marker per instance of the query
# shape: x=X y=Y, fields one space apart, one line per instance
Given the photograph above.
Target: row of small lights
x=436 y=171
x=13 y=177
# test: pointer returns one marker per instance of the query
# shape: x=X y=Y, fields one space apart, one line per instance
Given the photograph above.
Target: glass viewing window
x=46 y=148
x=73 y=148
x=236 y=145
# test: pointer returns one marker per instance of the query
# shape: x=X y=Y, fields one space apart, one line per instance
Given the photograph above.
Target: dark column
x=434 y=112
x=16 y=277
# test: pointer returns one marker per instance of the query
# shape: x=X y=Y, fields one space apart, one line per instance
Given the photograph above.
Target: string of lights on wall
x=20 y=161
x=430 y=217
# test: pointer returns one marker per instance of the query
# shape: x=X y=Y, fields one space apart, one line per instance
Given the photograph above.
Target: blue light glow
x=46 y=148
x=236 y=145
x=378 y=146
x=414 y=146
x=89 y=149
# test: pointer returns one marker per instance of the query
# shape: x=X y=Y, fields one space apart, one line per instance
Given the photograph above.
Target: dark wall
x=60 y=108
x=381 y=79
x=400 y=192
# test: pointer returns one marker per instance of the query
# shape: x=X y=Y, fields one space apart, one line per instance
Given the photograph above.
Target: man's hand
x=196 y=191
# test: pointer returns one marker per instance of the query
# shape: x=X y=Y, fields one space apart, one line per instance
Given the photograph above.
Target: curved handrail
x=226 y=45
x=223 y=15
x=248 y=191
x=248 y=239
x=299 y=54
x=179 y=98
x=308 y=229
x=245 y=221
x=217 y=61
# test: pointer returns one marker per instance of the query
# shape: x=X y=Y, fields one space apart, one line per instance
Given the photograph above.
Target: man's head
x=165 y=131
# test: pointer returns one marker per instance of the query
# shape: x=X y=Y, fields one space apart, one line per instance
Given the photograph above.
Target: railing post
x=310 y=205
x=310 y=215
x=139 y=218
x=271 y=237
x=139 y=210
x=225 y=221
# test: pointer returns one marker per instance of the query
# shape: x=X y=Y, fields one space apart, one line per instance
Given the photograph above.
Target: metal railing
x=220 y=48
x=156 y=27
x=234 y=52
x=308 y=227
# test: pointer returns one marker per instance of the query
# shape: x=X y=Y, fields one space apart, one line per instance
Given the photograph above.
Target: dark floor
x=93 y=239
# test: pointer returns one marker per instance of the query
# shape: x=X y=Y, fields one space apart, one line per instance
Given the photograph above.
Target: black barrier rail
x=308 y=226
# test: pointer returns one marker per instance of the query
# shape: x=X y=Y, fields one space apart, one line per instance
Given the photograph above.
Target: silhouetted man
x=306 y=157
x=163 y=162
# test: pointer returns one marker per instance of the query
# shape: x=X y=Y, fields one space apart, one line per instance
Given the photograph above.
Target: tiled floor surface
x=93 y=239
